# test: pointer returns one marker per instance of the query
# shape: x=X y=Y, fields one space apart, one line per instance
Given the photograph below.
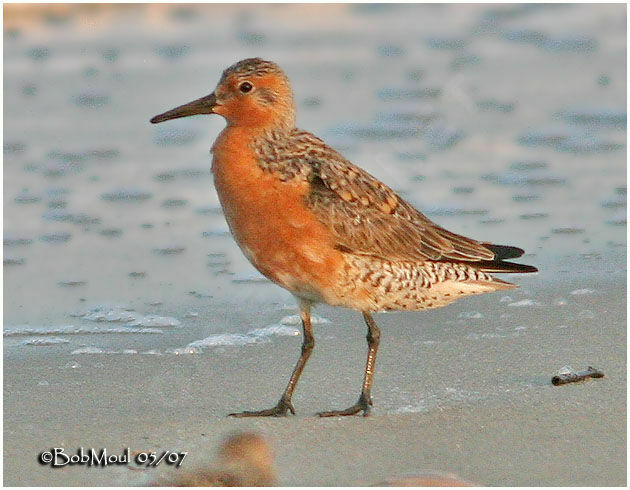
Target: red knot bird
x=323 y=228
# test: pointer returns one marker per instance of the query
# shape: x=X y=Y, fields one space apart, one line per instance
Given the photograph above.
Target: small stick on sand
x=573 y=377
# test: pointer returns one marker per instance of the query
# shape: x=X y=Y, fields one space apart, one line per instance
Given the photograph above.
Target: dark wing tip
x=502 y=252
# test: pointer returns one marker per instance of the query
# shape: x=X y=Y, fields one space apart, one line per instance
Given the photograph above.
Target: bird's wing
x=368 y=218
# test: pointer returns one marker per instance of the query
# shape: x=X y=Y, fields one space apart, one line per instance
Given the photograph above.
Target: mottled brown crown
x=254 y=67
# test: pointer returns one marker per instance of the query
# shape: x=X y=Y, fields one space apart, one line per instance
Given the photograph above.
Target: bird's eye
x=245 y=87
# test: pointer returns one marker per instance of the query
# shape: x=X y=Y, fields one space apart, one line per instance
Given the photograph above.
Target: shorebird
x=325 y=229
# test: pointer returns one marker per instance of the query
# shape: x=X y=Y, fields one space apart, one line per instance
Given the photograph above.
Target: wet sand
x=132 y=319
x=484 y=409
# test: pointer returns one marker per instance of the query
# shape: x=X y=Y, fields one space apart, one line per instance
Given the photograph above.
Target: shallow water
x=503 y=123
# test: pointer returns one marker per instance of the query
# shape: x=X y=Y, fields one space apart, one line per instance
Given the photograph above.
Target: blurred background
x=504 y=123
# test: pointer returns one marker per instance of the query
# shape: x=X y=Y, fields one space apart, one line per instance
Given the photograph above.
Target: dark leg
x=365 y=399
x=284 y=404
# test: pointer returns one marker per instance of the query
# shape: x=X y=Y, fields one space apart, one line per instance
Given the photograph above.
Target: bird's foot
x=280 y=410
x=362 y=404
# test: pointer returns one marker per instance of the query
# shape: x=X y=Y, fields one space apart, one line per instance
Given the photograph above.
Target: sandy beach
x=131 y=318
x=484 y=409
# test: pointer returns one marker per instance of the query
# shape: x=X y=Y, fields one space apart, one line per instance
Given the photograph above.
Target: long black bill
x=199 y=106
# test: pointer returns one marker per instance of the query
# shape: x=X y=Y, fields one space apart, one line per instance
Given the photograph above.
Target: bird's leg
x=284 y=404
x=365 y=399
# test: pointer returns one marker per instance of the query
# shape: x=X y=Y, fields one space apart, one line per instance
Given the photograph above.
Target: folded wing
x=368 y=218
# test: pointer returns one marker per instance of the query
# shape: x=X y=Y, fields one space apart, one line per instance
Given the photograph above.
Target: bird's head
x=253 y=92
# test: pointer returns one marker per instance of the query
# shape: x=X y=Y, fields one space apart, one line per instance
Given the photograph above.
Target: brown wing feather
x=369 y=218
